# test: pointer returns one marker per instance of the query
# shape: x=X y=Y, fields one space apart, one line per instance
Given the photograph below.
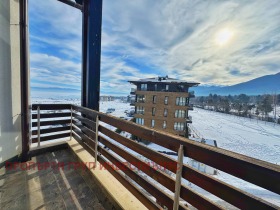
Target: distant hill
x=263 y=85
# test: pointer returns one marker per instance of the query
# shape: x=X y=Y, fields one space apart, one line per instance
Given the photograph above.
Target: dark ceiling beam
x=73 y=4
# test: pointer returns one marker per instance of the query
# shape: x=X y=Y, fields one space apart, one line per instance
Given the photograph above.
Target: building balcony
x=162 y=90
x=191 y=94
x=82 y=135
x=132 y=91
x=132 y=102
x=190 y=107
x=189 y=119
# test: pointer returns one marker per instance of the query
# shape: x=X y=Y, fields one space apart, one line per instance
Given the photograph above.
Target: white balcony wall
x=10 y=102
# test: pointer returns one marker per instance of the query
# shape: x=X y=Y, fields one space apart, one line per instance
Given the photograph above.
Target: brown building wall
x=160 y=106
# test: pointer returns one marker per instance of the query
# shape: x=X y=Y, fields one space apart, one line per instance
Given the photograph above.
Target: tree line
x=242 y=105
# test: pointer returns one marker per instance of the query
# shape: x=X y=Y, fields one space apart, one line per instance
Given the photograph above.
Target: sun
x=224 y=36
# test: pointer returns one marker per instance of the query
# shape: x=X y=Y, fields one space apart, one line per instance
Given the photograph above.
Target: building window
x=180 y=88
x=155 y=87
x=140 y=98
x=164 y=124
x=166 y=100
x=180 y=114
x=153 y=123
x=140 y=110
x=143 y=86
x=140 y=121
x=153 y=111
x=167 y=87
x=165 y=112
x=181 y=101
x=154 y=99
x=179 y=126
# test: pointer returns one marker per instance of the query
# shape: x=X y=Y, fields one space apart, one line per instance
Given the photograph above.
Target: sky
x=219 y=42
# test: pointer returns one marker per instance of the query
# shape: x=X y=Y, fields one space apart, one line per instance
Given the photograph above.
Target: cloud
x=144 y=38
x=46 y=68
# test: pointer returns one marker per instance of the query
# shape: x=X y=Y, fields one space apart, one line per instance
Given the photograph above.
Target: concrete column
x=10 y=91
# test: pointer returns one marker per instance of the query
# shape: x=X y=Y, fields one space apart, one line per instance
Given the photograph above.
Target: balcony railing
x=132 y=91
x=91 y=129
x=190 y=106
x=189 y=119
x=50 y=122
x=191 y=94
x=132 y=102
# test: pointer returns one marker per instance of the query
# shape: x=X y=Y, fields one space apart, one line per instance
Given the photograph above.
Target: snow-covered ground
x=120 y=107
x=246 y=136
x=257 y=139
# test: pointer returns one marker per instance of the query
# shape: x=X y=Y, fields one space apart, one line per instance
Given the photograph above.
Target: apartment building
x=163 y=103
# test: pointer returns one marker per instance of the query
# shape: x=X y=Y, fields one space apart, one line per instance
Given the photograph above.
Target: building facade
x=162 y=103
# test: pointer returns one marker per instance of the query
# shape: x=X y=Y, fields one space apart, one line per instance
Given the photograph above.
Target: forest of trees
x=242 y=105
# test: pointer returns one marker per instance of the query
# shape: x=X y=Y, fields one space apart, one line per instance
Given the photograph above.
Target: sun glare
x=224 y=36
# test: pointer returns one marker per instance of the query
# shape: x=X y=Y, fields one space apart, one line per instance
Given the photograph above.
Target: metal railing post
x=38 y=125
x=71 y=128
x=96 y=140
x=178 y=178
x=30 y=127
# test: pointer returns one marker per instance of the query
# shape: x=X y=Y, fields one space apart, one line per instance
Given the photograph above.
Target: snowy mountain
x=263 y=85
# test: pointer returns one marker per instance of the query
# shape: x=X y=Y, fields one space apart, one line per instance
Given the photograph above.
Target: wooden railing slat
x=85 y=130
x=52 y=115
x=51 y=130
x=51 y=137
x=51 y=106
x=90 y=124
x=52 y=122
x=84 y=137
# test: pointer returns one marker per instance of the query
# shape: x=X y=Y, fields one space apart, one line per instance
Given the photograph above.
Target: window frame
x=154 y=99
x=140 y=121
x=164 y=124
x=144 y=86
x=153 y=111
x=165 y=112
x=179 y=126
x=140 y=110
x=181 y=101
x=180 y=113
x=167 y=87
x=153 y=122
x=166 y=100
x=142 y=99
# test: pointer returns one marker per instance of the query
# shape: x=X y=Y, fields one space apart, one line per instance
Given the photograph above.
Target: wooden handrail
x=242 y=166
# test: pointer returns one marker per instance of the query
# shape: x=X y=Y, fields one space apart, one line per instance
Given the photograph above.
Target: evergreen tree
x=266 y=105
